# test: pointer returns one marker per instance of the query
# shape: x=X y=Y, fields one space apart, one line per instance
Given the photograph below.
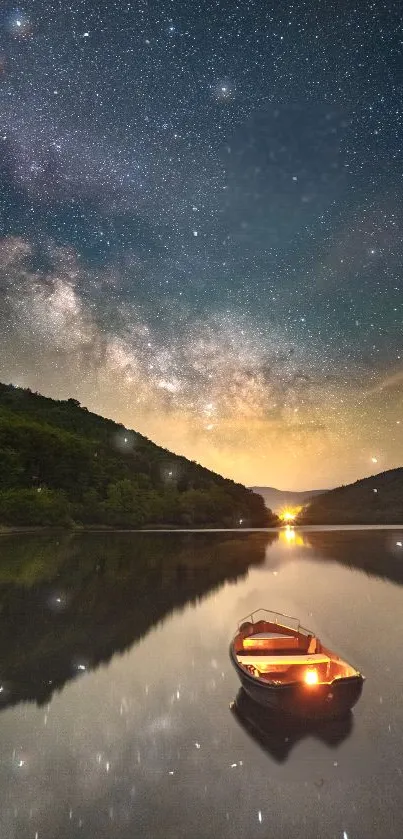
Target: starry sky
x=201 y=226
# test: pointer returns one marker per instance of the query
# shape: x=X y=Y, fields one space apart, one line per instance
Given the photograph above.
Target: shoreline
x=9 y=531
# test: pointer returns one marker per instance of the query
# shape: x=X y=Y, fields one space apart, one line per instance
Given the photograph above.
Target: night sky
x=201 y=226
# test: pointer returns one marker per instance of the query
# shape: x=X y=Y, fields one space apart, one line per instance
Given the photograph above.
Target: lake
x=116 y=689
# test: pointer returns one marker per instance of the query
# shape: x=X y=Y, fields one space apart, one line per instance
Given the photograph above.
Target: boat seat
x=270 y=635
x=278 y=653
x=271 y=641
x=267 y=664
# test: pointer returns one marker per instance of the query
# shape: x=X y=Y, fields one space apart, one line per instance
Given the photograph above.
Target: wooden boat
x=284 y=666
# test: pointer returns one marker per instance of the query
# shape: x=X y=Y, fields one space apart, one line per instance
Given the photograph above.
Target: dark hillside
x=374 y=500
x=60 y=464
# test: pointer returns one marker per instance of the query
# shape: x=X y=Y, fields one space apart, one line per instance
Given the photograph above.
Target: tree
x=34 y=507
x=11 y=469
x=123 y=505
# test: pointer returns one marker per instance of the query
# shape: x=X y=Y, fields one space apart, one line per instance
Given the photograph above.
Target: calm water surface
x=116 y=687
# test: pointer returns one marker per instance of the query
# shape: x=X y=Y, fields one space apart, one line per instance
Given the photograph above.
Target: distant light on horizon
x=290 y=514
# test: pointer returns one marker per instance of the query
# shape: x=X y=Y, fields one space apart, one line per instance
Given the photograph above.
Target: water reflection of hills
x=374 y=552
x=277 y=734
x=71 y=604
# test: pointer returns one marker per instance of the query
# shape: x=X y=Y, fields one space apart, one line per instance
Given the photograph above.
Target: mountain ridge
x=377 y=499
x=277 y=499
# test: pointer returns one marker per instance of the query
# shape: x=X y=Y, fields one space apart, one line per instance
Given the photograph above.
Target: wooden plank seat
x=271 y=641
x=268 y=663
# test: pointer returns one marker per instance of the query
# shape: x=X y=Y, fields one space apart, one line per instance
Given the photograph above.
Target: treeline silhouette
x=61 y=464
x=374 y=500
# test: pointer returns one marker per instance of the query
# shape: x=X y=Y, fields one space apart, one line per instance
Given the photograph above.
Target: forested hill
x=374 y=500
x=61 y=464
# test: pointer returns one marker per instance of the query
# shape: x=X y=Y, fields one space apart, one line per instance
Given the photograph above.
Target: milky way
x=201 y=227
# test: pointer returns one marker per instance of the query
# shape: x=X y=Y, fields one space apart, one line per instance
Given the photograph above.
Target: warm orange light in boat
x=311 y=677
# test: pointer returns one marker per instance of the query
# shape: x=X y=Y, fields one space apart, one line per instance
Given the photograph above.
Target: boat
x=284 y=666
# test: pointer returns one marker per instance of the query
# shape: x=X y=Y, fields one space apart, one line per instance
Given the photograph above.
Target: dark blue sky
x=201 y=226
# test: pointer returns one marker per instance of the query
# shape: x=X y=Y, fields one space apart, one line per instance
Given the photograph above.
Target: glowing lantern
x=311 y=677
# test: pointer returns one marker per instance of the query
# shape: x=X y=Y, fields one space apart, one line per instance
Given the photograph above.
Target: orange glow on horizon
x=289 y=514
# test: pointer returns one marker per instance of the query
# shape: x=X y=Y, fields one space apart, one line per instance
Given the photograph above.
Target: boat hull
x=316 y=701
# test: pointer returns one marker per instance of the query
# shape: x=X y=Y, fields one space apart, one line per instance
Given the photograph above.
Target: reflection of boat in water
x=277 y=733
x=283 y=666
